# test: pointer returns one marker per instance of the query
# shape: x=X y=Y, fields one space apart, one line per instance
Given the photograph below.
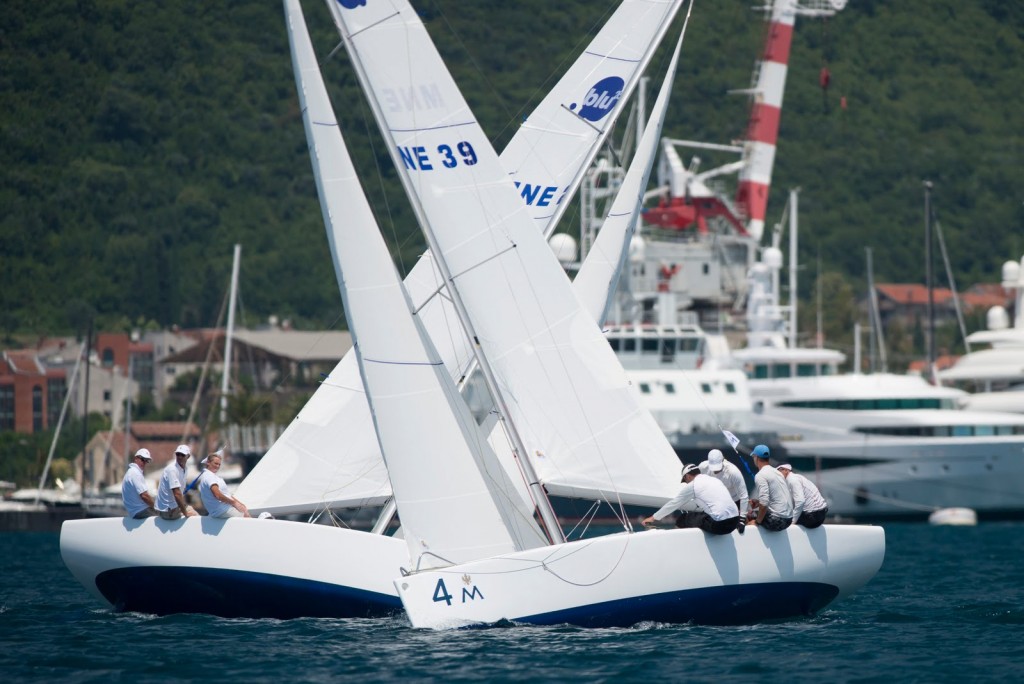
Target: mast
x=928 y=279
x=225 y=377
x=56 y=434
x=793 y=194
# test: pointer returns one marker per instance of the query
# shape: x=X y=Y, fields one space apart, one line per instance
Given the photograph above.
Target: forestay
x=447 y=481
x=566 y=392
x=328 y=456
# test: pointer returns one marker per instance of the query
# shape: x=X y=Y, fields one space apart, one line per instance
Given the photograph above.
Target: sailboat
x=276 y=568
x=328 y=457
x=556 y=383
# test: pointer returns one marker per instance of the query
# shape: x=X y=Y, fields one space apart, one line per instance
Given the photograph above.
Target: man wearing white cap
x=138 y=502
x=717 y=512
x=170 y=497
x=809 y=506
x=717 y=467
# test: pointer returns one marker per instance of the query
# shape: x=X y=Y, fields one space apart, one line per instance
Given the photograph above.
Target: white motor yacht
x=995 y=374
x=880 y=445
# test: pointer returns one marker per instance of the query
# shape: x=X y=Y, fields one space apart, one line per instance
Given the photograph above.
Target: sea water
x=947 y=606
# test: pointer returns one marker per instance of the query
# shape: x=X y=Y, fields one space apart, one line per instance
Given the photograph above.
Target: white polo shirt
x=806 y=497
x=132 y=486
x=173 y=477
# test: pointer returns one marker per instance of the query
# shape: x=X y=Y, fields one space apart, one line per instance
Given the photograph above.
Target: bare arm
x=147 y=498
x=179 y=498
x=231 y=501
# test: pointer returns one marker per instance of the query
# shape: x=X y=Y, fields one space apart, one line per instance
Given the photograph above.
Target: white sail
x=572 y=123
x=566 y=392
x=597 y=278
x=445 y=477
x=328 y=455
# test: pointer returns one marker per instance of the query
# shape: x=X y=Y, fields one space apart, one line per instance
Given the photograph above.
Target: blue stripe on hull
x=728 y=605
x=234 y=593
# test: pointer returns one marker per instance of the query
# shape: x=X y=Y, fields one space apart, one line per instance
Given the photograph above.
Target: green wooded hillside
x=139 y=141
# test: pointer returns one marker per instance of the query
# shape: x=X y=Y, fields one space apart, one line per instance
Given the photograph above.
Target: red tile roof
x=143 y=430
x=912 y=293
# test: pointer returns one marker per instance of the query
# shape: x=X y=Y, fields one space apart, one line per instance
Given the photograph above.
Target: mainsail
x=446 y=478
x=328 y=455
x=564 y=389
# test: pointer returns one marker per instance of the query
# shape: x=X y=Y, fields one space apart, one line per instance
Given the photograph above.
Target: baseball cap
x=784 y=466
x=183 y=449
x=715 y=461
x=690 y=468
x=761 y=451
x=144 y=455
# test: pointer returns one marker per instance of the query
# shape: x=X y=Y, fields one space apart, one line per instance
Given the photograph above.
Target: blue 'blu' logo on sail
x=600 y=99
x=352 y=4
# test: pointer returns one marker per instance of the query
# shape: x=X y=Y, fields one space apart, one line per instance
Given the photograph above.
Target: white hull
x=659 y=576
x=234 y=568
x=893 y=477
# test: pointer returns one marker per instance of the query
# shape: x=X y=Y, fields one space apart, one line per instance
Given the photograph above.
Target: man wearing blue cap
x=771 y=493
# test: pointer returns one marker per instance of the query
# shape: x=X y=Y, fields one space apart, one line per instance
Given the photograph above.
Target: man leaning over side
x=717 y=512
x=809 y=506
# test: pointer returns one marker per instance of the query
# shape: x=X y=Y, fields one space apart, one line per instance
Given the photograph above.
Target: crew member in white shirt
x=773 y=499
x=138 y=502
x=717 y=512
x=214 y=492
x=716 y=466
x=170 y=495
x=809 y=506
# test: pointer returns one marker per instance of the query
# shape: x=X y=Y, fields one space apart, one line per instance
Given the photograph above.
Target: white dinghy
x=563 y=398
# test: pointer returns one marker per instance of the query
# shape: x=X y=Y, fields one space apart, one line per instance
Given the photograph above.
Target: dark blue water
x=947 y=606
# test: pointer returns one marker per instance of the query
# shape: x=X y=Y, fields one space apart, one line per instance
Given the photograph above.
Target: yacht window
x=941 y=431
x=760 y=371
x=827 y=369
x=614 y=342
x=670 y=388
x=629 y=344
x=805 y=370
x=1004 y=429
x=688 y=344
x=668 y=350
x=781 y=370
x=961 y=430
x=730 y=388
x=649 y=345
x=705 y=388
x=645 y=388
x=888 y=404
x=984 y=430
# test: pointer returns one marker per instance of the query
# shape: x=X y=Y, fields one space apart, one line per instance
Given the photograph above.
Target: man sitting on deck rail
x=772 y=497
x=138 y=502
x=717 y=512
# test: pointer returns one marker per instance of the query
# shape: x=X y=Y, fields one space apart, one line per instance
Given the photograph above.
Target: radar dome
x=772 y=257
x=997 y=318
x=564 y=247
x=1011 y=273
